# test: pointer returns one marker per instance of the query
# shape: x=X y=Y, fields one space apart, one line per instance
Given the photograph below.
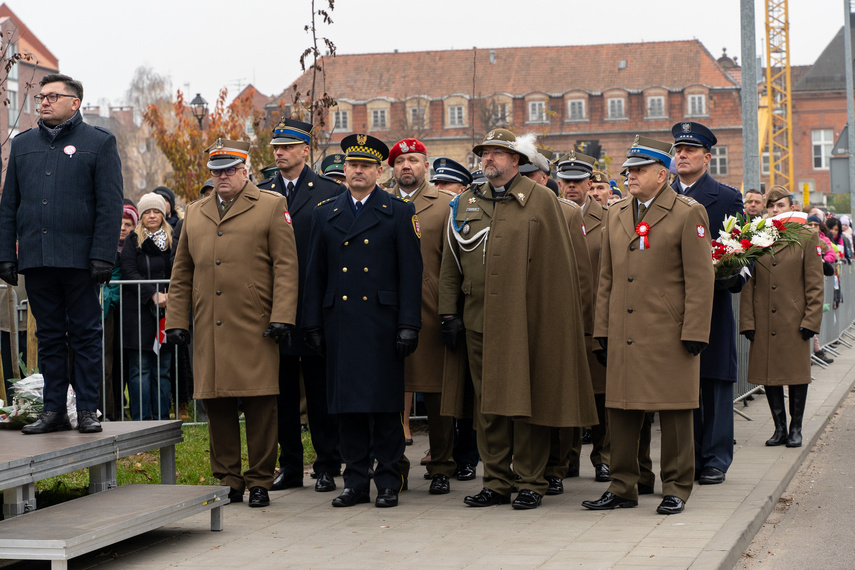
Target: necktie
x=358 y=207
x=687 y=190
x=289 y=190
x=641 y=210
x=224 y=207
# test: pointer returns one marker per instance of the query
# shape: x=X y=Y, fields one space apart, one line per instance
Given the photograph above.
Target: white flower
x=729 y=224
x=762 y=240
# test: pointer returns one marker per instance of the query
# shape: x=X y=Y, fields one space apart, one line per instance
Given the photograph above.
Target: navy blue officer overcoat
x=363 y=283
x=718 y=360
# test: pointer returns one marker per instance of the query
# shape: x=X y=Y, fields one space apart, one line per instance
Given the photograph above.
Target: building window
x=615 y=106
x=764 y=163
x=656 y=106
x=500 y=114
x=718 y=162
x=697 y=105
x=822 y=142
x=12 y=49
x=378 y=118
x=537 y=111
x=342 y=122
x=417 y=117
x=576 y=110
x=14 y=110
x=455 y=116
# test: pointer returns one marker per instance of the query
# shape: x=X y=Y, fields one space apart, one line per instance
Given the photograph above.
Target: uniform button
x=47 y=172
x=44 y=201
x=774 y=263
x=344 y=269
x=629 y=341
x=630 y=279
x=774 y=333
x=774 y=310
x=219 y=292
x=632 y=248
x=347 y=242
x=629 y=310
x=219 y=233
x=774 y=287
x=44 y=230
x=365 y=298
x=365 y=269
x=365 y=242
x=344 y=298
x=52 y=147
x=217 y=262
x=219 y=323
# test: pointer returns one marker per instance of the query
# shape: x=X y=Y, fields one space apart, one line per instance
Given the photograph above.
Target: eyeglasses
x=51 y=97
x=497 y=153
x=223 y=172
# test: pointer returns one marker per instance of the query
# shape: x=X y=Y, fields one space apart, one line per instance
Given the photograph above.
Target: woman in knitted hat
x=146 y=256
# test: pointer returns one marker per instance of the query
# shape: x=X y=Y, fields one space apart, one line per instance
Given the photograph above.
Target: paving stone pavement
x=301 y=529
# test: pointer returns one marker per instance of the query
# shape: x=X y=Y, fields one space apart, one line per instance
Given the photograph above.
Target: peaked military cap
x=446 y=170
x=599 y=177
x=223 y=154
x=292 y=131
x=693 y=134
x=478 y=177
x=648 y=151
x=269 y=170
x=576 y=166
x=364 y=148
x=333 y=165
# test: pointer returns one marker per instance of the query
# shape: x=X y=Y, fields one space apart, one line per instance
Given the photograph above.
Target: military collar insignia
x=521 y=196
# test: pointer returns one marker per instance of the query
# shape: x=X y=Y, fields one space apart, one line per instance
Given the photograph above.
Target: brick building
x=582 y=96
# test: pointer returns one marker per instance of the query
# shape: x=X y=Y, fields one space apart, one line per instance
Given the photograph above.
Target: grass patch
x=192 y=462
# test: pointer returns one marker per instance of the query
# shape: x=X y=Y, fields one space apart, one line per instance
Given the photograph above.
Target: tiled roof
x=828 y=71
x=518 y=71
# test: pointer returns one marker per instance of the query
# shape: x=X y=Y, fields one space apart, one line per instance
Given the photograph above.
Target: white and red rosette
x=642 y=229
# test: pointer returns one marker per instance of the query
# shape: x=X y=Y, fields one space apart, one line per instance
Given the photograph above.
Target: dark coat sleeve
x=410 y=271
x=316 y=273
x=8 y=211
x=108 y=201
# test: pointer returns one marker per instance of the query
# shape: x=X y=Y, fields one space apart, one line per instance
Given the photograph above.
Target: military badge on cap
x=503 y=138
x=648 y=151
x=447 y=170
x=224 y=154
x=406 y=146
x=693 y=134
x=291 y=131
x=364 y=148
x=576 y=166
x=333 y=166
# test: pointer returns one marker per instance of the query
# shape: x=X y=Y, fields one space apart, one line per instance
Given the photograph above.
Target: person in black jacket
x=147 y=255
x=59 y=224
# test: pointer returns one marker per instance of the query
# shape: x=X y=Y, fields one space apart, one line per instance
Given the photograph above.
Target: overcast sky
x=205 y=45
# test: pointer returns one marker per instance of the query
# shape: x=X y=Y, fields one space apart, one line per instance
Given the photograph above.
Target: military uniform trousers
x=565 y=446
x=714 y=425
x=501 y=438
x=440 y=439
x=224 y=434
x=322 y=425
x=677 y=453
x=362 y=433
x=65 y=305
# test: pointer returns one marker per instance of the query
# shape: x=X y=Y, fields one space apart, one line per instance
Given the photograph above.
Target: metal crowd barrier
x=835 y=323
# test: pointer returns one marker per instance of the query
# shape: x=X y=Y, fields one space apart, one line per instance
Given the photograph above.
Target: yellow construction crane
x=776 y=111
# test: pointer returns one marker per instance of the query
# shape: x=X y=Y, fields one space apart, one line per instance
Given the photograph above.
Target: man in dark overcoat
x=362 y=309
x=714 y=416
x=304 y=190
x=62 y=209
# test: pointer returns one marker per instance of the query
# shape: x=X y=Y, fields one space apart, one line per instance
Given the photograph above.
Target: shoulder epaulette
x=270 y=193
x=102 y=129
x=396 y=197
x=327 y=178
x=688 y=200
x=566 y=201
x=327 y=201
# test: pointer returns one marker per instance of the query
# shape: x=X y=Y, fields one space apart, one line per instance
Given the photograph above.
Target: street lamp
x=200 y=109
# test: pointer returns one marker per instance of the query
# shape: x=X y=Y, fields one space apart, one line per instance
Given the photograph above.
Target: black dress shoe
x=609 y=501
x=386 y=498
x=325 y=483
x=486 y=498
x=439 y=485
x=48 y=422
x=408 y=441
x=350 y=497
x=87 y=422
x=283 y=481
x=573 y=471
x=602 y=473
x=711 y=476
x=466 y=472
x=235 y=496
x=258 y=497
x=645 y=489
x=427 y=476
x=527 y=499
x=556 y=486
x=671 y=505
x=587 y=436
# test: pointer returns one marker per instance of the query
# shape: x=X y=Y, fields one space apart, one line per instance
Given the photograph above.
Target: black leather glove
x=749 y=335
x=603 y=341
x=178 y=336
x=407 y=341
x=694 y=347
x=727 y=282
x=314 y=339
x=101 y=271
x=602 y=356
x=282 y=333
x=9 y=272
x=452 y=328
x=806 y=334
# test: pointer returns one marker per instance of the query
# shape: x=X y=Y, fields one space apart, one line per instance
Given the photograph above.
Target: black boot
x=798 y=398
x=775 y=397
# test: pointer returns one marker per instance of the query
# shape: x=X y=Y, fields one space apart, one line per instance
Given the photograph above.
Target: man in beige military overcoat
x=509 y=252
x=236 y=268
x=653 y=313
x=423 y=370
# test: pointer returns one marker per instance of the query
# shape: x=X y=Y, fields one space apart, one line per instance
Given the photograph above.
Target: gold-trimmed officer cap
x=223 y=154
x=576 y=166
x=502 y=138
x=292 y=131
x=364 y=148
x=648 y=151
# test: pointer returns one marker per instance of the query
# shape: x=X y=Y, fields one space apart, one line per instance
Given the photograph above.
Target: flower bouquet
x=742 y=241
x=27 y=402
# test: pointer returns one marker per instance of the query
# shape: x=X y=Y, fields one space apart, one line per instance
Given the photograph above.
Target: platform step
x=82 y=525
